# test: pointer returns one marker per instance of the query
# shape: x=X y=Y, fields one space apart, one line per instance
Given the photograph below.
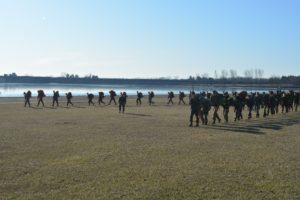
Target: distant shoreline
x=16 y=89
x=184 y=84
x=274 y=82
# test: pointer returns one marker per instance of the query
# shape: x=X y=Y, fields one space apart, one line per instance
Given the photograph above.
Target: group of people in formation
x=268 y=102
x=201 y=104
x=112 y=98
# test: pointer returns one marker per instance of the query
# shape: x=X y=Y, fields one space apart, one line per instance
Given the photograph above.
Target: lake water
x=17 y=89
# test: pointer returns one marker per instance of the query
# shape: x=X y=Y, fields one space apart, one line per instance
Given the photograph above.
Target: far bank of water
x=17 y=89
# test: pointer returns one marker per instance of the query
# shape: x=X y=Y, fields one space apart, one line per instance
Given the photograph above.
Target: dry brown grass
x=147 y=153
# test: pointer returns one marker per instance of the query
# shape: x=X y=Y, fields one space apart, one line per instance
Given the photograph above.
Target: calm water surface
x=17 y=89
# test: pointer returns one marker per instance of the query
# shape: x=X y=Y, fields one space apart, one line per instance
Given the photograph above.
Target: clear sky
x=149 y=38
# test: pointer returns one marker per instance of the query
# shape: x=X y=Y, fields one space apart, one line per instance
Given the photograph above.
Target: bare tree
x=205 y=75
x=216 y=74
x=224 y=74
x=233 y=74
x=248 y=73
x=258 y=73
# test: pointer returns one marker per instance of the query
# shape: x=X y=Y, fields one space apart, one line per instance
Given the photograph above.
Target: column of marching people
x=265 y=103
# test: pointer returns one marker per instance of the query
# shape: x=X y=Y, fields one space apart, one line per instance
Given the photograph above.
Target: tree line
x=253 y=77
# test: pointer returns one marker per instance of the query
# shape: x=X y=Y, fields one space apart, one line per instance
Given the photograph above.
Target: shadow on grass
x=113 y=105
x=256 y=128
x=276 y=125
x=140 y=115
x=250 y=130
x=36 y=107
x=79 y=107
x=50 y=107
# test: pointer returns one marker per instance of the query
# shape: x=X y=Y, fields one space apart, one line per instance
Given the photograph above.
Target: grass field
x=147 y=153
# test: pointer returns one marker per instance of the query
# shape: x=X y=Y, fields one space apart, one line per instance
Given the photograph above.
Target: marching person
x=69 y=97
x=139 y=98
x=40 y=97
x=195 y=106
x=55 y=98
x=122 y=102
x=27 y=96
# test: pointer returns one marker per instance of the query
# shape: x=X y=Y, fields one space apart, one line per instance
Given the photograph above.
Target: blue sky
x=149 y=38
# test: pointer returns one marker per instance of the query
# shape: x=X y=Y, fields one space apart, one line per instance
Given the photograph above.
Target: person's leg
x=241 y=113
x=217 y=114
x=272 y=110
x=206 y=118
x=191 y=117
x=236 y=115
x=197 y=118
x=250 y=113
x=225 y=114
x=257 y=111
x=201 y=116
x=265 y=111
x=214 y=115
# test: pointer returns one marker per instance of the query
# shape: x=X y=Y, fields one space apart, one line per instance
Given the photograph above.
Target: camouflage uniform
x=181 y=98
x=55 y=98
x=100 y=98
x=69 y=96
x=216 y=101
x=296 y=100
x=278 y=101
x=194 y=102
x=139 y=98
x=90 y=98
x=250 y=104
x=238 y=107
x=112 y=95
x=122 y=102
x=291 y=100
x=27 y=96
x=272 y=103
x=226 y=104
x=266 y=103
x=170 y=97
x=257 y=103
x=150 y=97
x=206 y=106
x=40 y=97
